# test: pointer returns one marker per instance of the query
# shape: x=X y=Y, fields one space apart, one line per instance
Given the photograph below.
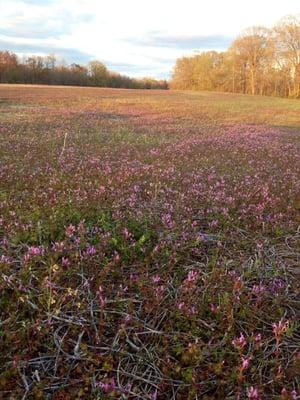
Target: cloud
x=68 y=54
x=202 y=42
x=153 y=61
x=39 y=2
x=33 y=19
x=33 y=30
x=134 y=70
x=51 y=27
x=133 y=37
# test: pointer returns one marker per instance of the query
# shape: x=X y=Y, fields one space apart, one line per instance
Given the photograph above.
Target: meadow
x=149 y=245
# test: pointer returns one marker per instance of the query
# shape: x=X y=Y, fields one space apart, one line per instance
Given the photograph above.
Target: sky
x=134 y=37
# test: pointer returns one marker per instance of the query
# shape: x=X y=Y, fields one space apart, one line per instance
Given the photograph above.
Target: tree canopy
x=260 y=61
x=47 y=70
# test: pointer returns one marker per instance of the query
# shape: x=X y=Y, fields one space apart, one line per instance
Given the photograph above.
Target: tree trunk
x=233 y=79
x=252 y=82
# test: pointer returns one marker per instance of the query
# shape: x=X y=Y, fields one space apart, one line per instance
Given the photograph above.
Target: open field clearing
x=149 y=245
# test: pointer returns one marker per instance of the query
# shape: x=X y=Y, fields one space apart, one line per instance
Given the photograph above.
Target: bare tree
x=288 y=49
x=254 y=50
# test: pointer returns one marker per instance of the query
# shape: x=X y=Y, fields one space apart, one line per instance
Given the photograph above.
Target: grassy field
x=149 y=245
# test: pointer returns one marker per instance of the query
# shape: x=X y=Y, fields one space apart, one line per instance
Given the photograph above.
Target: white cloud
x=122 y=32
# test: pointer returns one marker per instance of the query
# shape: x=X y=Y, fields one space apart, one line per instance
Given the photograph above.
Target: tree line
x=46 y=70
x=260 y=61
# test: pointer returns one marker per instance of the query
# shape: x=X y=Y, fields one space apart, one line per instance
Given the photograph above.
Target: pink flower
x=4 y=259
x=258 y=338
x=245 y=363
x=259 y=245
x=280 y=328
x=239 y=342
x=154 y=395
x=4 y=242
x=215 y=222
x=91 y=251
x=58 y=246
x=126 y=233
x=107 y=387
x=167 y=220
x=253 y=393
x=70 y=230
x=134 y=277
x=156 y=278
x=214 y=309
x=35 y=251
x=65 y=262
x=286 y=395
x=192 y=310
x=258 y=289
x=192 y=276
x=156 y=248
